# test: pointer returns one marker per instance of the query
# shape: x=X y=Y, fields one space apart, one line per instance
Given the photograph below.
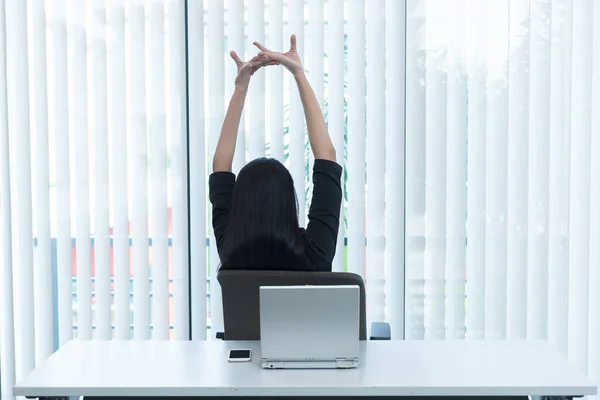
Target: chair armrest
x=380 y=331
x=221 y=335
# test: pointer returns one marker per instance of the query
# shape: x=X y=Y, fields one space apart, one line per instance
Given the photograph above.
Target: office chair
x=240 y=292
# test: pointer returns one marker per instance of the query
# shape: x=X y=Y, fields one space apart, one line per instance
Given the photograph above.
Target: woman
x=255 y=219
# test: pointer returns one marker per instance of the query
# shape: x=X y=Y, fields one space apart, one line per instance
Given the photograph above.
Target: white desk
x=388 y=368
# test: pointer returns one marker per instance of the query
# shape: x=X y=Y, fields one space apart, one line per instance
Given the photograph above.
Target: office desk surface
x=388 y=368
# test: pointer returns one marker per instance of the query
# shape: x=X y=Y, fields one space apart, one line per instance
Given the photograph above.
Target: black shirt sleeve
x=221 y=185
x=324 y=212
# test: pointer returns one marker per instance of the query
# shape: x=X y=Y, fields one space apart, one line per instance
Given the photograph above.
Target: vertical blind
x=94 y=176
x=465 y=128
x=503 y=173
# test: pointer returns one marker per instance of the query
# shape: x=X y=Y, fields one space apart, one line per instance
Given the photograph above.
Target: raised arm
x=223 y=158
x=320 y=142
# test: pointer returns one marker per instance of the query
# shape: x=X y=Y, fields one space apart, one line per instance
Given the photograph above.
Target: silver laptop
x=309 y=326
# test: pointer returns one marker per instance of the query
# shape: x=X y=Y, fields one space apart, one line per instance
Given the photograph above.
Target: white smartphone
x=239 y=355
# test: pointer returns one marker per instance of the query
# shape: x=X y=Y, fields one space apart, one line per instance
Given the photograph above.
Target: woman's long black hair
x=263 y=230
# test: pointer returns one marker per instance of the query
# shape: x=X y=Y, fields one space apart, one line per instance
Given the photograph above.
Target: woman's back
x=255 y=218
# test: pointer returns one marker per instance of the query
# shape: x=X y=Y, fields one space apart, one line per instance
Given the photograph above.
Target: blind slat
x=476 y=136
x=395 y=156
x=216 y=113
x=256 y=103
x=179 y=181
x=100 y=200
x=315 y=35
x=78 y=124
x=335 y=106
x=156 y=93
x=42 y=277
x=236 y=41
x=375 y=157
x=594 y=312
x=518 y=133
x=197 y=168
x=296 y=119
x=118 y=164
x=275 y=79
x=20 y=173
x=356 y=137
x=579 y=227
x=138 y=163
x=456 y=193
x=7 y=325
x=496 y=166
x=435 y=174
x=415 y=168
x=539 y=125
x=62 y=171
x=558 y=205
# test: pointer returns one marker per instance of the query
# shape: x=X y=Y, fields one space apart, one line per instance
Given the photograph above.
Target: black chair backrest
x=240 y=292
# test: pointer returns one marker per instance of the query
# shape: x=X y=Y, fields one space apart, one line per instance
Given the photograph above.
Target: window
x=466 y=130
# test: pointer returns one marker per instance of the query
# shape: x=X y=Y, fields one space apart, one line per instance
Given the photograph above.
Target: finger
x=261 y=47
x=236 y=58
x=273 y=56
x=293 y=42
x=265 y=63
x=259 y=66
x=259 y=59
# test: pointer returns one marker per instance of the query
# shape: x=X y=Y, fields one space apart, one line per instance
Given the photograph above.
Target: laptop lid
x=309 y=323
